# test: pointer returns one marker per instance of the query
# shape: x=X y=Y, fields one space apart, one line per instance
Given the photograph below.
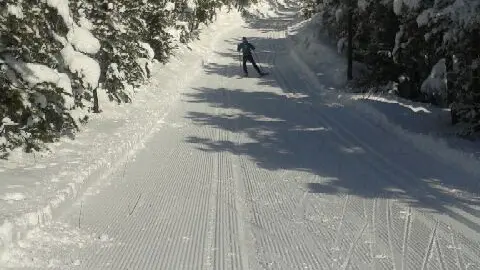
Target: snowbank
x=305 y=38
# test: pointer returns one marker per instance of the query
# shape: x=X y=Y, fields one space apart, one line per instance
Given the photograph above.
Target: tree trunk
x=96 y=109
x=350 y=39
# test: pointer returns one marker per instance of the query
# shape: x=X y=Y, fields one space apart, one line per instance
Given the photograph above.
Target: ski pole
x=258 y=61
x=240 y=60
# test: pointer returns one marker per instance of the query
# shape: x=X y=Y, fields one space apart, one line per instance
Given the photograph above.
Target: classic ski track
x=428 y=253
x=274 y=188
x=215 y=245
x=210 y=235
x=391 y=174
x=229 y=204
x=440 y=255
x=339 y=231
x=177 y=167
x=424 y=220
x=389 y=230
x=352 y=246
x=283 y=82
x=134 y=197
x=240 y=201
x=406 y=236
x=266 y=244
x=277 y=79
x=230 y=194
x=178 y=154
x=458 y=256
x=304 y=222
x=372 y=232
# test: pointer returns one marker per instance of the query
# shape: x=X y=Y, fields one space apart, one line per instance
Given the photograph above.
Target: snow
x=341 y=43
x=191 y=6
x=175 y=34
x=80 y=38
x=37 y=73
x=206 y=170
x=83 y=40
x=430 y=134
x=362 y=5
x=436 y=83
x=264 y=9
x=50 y=180
x=148 y=49
x=339 y=15
x=88 y=68
x=10 y=197
x=86 y=24
x=119 y=27
x=170 y=6
x=15 y=11
x=424 y=17
x=398 y=39
x=63 y=10
x=7 y=121
x=462 y=11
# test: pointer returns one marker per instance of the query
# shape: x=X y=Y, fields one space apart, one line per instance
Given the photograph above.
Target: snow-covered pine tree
x=36 y=98
x=427 y=47
x=119 y=33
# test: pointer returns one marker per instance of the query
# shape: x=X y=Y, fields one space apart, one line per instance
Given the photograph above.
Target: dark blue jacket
x=246 y=48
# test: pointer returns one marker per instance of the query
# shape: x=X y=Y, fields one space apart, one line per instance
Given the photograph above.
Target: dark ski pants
x=251 y=60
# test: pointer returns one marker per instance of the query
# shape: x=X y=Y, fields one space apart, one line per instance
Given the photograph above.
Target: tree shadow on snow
x=291 y=134
x=426 y=120
x=296 y=128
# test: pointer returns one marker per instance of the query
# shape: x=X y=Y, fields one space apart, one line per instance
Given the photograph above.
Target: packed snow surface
x=211 y=170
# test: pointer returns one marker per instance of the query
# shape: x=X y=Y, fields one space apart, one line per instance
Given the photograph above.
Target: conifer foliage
x=57 y=55
x=427 y=48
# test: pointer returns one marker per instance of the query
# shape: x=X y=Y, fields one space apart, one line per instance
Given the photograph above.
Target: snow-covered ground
x=34 y=186
x=214 y=171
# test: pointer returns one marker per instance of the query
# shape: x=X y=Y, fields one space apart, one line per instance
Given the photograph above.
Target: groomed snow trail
x=266 y=173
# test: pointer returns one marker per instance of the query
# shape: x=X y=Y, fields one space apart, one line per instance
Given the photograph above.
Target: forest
x=57 y=55
x=422 y=50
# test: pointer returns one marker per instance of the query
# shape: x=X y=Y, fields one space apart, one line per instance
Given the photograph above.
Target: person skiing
x=247 y=48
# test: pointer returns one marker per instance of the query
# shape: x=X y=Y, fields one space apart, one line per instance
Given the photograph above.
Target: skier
x=247 y=48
